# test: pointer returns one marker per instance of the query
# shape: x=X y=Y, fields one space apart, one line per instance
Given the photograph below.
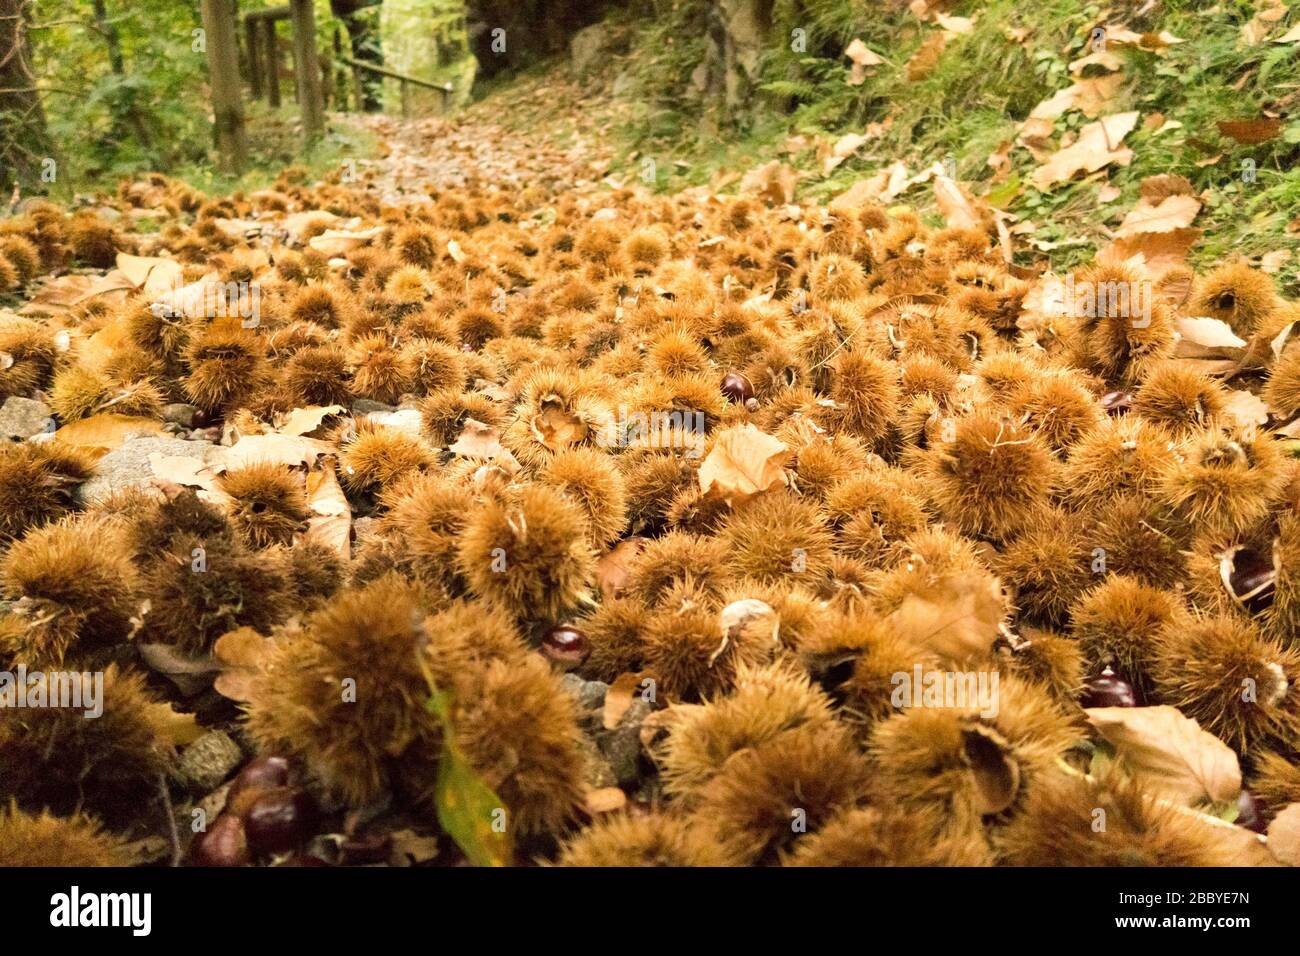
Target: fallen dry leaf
x=1250 y=131
x=107 y=430
x=619 y=697
x=1246 y=410
x=1170 y=753
x=1205 y=337
x=292 y=450
x=862 y=58
x=956 y=207
x=773 y=182
x=1099 y=144
x=330 y=523
x=744 y=462
x=239 y=653
x=305 y=420
x=337 y=242
x=1170 y=213
x=954 y=616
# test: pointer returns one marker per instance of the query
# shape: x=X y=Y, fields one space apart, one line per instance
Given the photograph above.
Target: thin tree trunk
x=223 y=76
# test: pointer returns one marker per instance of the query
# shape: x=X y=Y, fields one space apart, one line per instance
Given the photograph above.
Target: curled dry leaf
x=1170 y=753
x=239 y=654
x=1284 y=835
x=1099 y=144
x=1207 y=338
x=556 y=428
x=773 y=182
x=337 y=242
x=954 y=616
x=1171 y=212
x=619 y=697
x=330 y=523
x=1246 y=410
x=744 y=462
x=862 y=58
x=956 y=207
x=189 y=674
x=305 y=420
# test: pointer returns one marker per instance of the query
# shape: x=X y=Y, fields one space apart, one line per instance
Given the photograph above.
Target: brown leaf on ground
x=1099 y=144
x=955 y=204
x=1170 y=753
x=863 y=59
x=107 y=430
x=954 y=616
x=1250 y=131
x=773 y=182
x=619 y=697
x=330 y=523
x=744 y=462
x=239 y=653
x=1166 y=215
x=305 y=420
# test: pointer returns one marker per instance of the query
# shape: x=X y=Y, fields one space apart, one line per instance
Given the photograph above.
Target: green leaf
x=469 y=811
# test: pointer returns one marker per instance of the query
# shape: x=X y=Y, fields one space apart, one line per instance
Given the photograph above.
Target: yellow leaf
x=1099 y=144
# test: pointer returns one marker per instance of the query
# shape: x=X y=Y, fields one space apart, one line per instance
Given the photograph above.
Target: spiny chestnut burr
x=223 y=844
x=738 y=389
x=280 y=820
x=1108 y=690
x=566 y=646
x=1117 y=403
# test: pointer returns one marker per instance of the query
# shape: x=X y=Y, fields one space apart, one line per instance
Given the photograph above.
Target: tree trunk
x=223 y=77
x=24 y=141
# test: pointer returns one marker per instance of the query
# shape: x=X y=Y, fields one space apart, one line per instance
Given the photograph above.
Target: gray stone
x=21 y=418
x=622 y=745
x=205 y=764
x=590 y=694
x=180 y=414
x=364 y=406
x=599 y=773
x=586 y=46
x=127 y=466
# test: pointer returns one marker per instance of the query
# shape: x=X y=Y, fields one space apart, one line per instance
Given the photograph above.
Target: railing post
x=307 y=67
x=271 y=50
